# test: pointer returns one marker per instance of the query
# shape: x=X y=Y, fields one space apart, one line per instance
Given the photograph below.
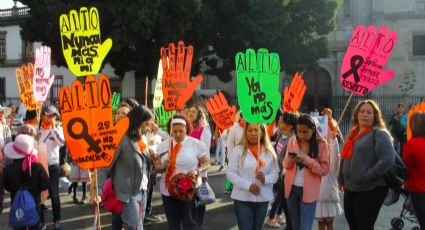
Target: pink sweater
x=313 y=171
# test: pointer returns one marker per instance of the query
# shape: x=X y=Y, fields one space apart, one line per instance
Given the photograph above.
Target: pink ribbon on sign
x=29 y=158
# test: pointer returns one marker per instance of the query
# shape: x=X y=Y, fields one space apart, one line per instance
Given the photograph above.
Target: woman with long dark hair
x=129 y=171
x=306 y=161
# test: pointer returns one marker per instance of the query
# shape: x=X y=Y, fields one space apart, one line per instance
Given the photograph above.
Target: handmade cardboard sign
x=158 y=96
x=364 y=61
x=116 y=97
x=42 y=80
x=322 y=126
x=162 y=116
x=89 y=131
x=24 y=76
x=176 y=85
x=221 y=112
x=81 y=42
x=294 y=94
x=257 y=84
x=420 y=107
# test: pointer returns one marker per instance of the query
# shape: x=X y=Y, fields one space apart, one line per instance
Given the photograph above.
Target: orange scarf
x=270 y=129
x=172 y=162
x=254 y=153
x=331 y=124
x=347 y=151
x=142 y=146
x=46 y=126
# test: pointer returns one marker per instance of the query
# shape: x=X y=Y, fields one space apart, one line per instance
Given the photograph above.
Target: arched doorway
x=319 y=90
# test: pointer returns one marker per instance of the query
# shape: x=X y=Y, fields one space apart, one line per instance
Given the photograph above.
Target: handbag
x=182 y=187
x=65 y=170
x=110 y=201
x=204 y=195
x=395 y=177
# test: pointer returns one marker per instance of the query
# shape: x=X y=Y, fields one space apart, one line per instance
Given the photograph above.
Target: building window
x=2 y=46
x=347 y=8
x=418 y=45
x=56 y=87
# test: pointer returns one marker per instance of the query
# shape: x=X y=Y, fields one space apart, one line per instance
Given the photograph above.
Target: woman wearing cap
x=52 y=136
x=129 y=171
x=253 y=170
x=5 y=137
x=188 y=156
x=25 y=170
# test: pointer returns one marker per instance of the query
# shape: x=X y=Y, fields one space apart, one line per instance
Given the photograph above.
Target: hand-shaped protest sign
x=366 y=56
x=81 y=44
x=87 y=120
x=24 y=76
x=221 y=112
x=158 y=96
x=294 y=94
x=420 y=107
x=162 y=116
x=322 y=126
x=42 y=80
x=176 y=85
x=116 y=97
x=257 y=83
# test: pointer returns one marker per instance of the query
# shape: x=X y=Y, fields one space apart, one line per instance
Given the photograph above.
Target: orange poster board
x=294 y=94
x=89 y=132
x=221 y=112
x=24 y=76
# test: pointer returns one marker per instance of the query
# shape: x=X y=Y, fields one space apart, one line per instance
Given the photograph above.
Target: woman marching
x=129 y=171
x=253 y=174
x=306 y=161
x=184 y=157
x=367 y=155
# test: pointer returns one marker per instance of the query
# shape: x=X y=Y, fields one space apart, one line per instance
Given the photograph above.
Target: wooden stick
x=97 y=203
x=345 y=108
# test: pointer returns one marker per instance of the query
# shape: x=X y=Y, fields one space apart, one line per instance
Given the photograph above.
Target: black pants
x=177 y=213
x=418 y=201
x=54 y=172
x=362 y=208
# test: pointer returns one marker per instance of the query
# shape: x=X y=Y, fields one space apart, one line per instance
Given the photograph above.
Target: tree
x=296 y=29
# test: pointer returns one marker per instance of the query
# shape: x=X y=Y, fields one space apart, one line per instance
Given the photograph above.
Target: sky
x=7 y=4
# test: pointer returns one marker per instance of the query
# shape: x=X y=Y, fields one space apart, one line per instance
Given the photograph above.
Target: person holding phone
x=306 y=161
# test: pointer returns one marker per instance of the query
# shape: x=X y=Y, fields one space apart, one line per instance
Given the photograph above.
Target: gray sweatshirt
x=365 y=169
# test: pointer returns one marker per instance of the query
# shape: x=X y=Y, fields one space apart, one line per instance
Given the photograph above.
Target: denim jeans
x=302 y=214
x=250 y=215
x=54 y=174
x=220 y=152
x=418 y=201
x=199 y=214
x=178 y=212
x=116 y=222
x=133 y=212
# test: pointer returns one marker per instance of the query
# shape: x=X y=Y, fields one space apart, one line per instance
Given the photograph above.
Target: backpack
x=23 y=211
x=396 y=176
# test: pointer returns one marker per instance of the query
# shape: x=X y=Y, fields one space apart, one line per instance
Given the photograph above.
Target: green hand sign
x=258 y=85
x=163 y=116
x=116 y=97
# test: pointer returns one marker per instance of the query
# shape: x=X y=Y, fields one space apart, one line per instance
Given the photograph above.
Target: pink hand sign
x=366 y=56
x=42 y=80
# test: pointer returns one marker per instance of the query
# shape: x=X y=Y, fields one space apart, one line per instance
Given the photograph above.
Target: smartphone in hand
x=292 y=155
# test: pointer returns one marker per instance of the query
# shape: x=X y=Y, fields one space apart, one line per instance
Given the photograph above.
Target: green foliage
x=295 y=29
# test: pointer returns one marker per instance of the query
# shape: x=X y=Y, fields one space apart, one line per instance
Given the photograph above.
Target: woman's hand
x=341 y=188
x=260 y=176
x=193 y=173
x=153 y=126
x=300 y=158
x=254 y=189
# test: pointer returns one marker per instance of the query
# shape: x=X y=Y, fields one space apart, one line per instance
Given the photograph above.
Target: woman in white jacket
x=253 y=176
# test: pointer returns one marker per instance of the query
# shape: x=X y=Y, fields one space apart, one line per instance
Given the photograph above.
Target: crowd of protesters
x=282 y=175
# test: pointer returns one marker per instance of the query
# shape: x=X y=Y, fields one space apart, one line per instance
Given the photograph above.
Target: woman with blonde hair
x=414 y=157
x=367 y=155
x=253 y=170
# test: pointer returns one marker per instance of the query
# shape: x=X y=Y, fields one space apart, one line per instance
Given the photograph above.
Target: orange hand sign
x=221 y=112
x=24 y=76
x=87 y=120
x=176 y=85
x=420 y=107
x=293 y=95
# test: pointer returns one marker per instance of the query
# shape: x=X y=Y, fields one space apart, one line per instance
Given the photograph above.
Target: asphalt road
x=219 y=215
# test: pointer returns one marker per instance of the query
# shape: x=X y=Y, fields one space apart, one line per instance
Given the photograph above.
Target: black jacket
x=38 y=182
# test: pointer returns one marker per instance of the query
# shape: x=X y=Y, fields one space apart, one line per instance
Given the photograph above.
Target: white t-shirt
x=187 y=159
x=54 y=139
x=299 y=176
